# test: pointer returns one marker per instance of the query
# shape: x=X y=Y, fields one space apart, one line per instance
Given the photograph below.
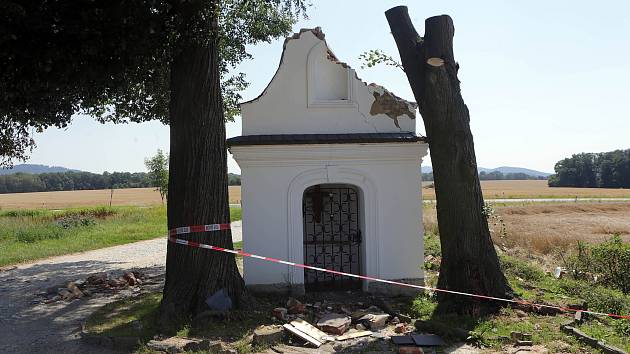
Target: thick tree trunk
x=469 y=260
x=198 y=189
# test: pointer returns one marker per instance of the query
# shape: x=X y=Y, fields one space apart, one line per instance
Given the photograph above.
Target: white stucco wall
x=313 y=93
x=388 y=177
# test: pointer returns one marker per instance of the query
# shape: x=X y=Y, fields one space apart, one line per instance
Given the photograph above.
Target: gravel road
x=28 y=326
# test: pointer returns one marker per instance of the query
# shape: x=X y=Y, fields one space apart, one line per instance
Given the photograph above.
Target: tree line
x=494 y=175
x=70 y=181
x=600 y=170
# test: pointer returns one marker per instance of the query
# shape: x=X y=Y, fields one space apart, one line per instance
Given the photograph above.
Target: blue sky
x=542 y=80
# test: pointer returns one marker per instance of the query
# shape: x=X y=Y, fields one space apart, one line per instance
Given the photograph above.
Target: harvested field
x=545 y=228
x=535 y=189
x=70 y=199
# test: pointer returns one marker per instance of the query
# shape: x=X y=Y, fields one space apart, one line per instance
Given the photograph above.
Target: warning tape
x=365 y=277
x=197 y=228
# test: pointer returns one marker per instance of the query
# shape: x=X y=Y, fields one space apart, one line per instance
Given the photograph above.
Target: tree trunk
x=469 y=260
x=198 y=189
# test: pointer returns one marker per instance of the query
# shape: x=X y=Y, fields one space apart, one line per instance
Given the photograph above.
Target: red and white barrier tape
x=485 y=297
x=198 y=228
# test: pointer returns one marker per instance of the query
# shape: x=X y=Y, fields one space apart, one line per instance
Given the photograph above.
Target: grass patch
x=235 y=214
x=26 y=235
x=135 y=317
x=531 y=283
x=138 y=317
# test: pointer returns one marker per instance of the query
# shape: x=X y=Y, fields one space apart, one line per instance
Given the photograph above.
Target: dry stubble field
x=538 y=227
x=71 y=199
x=535 y=189
x=547 y=228
x=148 y=196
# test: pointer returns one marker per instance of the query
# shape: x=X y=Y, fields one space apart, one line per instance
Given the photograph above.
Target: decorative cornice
x=300 y=155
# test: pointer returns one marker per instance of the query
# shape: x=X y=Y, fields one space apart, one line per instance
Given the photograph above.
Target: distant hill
x=34 y=169
x=502 y=169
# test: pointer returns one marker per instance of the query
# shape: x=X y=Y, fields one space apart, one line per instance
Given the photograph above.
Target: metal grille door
x=332 y=237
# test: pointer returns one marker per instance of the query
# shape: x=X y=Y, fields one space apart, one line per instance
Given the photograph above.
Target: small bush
x=423 y=307
x=24 y=213
x=432 y=245
x=622 y=327
x=598 y=298
x=34 y=234
x=98 y=212
x=72 y=221
x=607 y=263
x=521 y=269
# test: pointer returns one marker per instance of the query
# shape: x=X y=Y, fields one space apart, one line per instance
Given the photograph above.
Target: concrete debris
x=334 y=323
x=410 y=350
x=296 y=332
x=374 y=321
x=354 y=335
x=280 y=313
x=268 y=335
x=400 y=328
x=559 y=272
x=96 y=283
x=294 y=306
x=181 y=344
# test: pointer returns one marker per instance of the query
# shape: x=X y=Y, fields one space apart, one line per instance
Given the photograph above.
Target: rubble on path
x=106 y=282
x=181 y=344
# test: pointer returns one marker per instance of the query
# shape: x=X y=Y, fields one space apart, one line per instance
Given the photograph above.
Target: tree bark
x=469 y=260
x=198 y=188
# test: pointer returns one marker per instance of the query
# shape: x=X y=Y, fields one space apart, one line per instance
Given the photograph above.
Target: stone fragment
x=578 y=317
x=294 y=306
x=354 y=335
x=520 y=313
x=76 y=292
x=268 y=335
x=97 y=279
x=374 y=321
x=228 y=351
x=296 y=332
x=66 y=294
x=181 y=344
x=516 y=335
x=280 y=313
x=55 y=289
x=334 y=323
x=400 y=328
x=524 y=343
x=410 y=350
x=311 y=330
x=130 y=278
x=360 y=327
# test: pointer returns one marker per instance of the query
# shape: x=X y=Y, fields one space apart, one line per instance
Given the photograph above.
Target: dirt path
x=28 y=326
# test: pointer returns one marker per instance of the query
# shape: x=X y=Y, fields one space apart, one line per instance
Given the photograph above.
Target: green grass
x=27 y=235
x=531 y=283
x=117 y=319
x=138 y=317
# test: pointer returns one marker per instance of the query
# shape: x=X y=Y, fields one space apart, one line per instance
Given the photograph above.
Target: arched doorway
x=332 y=236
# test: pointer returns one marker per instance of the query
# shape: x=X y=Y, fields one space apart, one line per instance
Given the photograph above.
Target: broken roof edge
x=319 y=34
